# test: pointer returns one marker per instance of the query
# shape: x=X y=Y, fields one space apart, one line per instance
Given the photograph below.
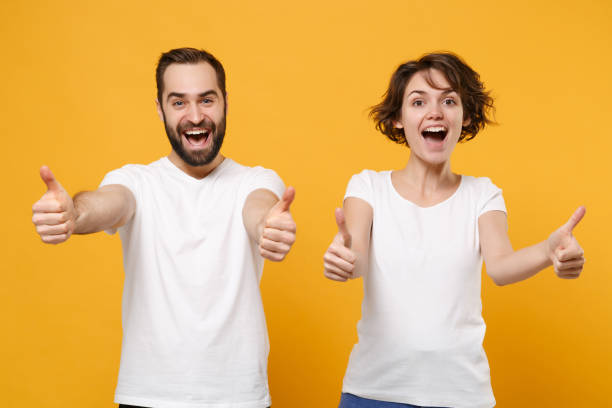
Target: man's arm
x=269 y=223
x=57 y=216
x=347 y=255
x=505 y=266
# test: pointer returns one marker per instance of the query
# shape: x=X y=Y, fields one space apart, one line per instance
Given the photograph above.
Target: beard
x=201 y=157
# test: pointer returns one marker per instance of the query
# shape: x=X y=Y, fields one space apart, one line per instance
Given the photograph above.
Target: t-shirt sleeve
x=125 y=177
x=263 y=178
x=360 y=186
x=491 y=198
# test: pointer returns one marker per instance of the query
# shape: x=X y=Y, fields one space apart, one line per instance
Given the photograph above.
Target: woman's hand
x=339 y=259
x=564 y=251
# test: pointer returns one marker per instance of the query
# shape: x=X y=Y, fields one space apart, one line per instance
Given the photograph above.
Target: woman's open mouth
x=435 y=134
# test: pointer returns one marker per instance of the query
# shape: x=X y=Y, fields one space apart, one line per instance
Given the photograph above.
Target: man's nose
x=195 y=114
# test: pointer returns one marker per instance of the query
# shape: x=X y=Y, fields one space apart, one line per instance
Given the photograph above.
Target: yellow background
x=78 y=93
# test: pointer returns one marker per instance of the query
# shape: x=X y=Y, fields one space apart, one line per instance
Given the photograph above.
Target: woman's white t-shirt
x=421 y=331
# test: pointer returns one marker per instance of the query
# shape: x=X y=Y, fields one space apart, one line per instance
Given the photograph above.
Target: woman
x=418 y=237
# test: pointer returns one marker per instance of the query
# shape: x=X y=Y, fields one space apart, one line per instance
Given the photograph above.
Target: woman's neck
x=427 y=178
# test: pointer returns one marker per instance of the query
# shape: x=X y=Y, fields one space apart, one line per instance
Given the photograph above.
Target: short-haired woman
x=418 y=236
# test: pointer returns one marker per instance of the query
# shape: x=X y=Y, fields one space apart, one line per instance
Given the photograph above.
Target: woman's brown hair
x=476 y=101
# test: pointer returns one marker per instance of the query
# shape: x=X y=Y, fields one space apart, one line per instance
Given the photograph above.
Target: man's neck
x=197 y=172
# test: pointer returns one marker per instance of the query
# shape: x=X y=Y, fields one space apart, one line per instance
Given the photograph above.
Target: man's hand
x=53 y=215
x=278 y=232
x=339 y=259
x=564 y=251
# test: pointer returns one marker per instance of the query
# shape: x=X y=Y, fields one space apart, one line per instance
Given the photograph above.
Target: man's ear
x=160 y=113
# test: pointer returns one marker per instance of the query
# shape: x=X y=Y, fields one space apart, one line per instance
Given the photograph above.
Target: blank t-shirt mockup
x=194 y=330
x=421 y=330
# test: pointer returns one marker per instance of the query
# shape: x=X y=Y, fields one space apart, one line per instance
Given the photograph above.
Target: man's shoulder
x=231 y=167
x=137 y=168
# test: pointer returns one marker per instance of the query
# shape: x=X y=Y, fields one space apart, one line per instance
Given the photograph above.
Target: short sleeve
x=123 y=176
x=259 y=178
x=491 y=198
x=360 y=186
x=126 y=177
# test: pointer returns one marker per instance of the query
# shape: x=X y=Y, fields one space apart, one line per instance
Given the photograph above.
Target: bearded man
x=195 y=228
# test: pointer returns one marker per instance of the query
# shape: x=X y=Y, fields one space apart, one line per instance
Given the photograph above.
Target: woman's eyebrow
x=445 y=91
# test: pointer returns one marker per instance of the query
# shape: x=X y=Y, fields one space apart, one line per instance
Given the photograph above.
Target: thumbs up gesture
x=564 y=251
x=339 y=259
x=54 y=214
x=278 y=233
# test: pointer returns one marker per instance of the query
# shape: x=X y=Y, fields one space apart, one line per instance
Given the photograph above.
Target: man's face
x=193 y=111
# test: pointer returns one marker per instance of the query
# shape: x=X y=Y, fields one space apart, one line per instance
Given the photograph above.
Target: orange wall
x=78 y=94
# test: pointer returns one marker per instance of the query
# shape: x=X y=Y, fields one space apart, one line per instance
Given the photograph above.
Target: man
x=194 y=227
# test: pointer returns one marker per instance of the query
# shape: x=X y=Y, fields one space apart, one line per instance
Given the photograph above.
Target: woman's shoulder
x=478 y=184
x=372 y=175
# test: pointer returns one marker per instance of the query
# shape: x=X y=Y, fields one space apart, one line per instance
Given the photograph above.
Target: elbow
x=497 y=278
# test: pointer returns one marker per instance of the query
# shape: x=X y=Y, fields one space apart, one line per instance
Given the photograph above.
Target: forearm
x=102 y=209
x=255 y=210
x=254 y=223
x=361 y=264
x=518 y=265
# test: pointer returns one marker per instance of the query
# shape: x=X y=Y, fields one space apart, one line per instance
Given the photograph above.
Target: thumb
x=286 y=199
x=341 y=221
x=47 y=176
x=574 y=219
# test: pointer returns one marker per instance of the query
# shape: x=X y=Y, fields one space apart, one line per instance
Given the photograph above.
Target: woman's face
x=432 y=118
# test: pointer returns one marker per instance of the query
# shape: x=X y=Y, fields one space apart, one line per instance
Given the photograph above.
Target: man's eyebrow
x=201 y=95
x=209 y=92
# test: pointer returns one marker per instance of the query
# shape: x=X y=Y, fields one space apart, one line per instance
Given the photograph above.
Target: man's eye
x=178 y=103
x=206 y=101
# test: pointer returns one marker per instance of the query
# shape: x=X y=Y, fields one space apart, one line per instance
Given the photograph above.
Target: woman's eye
x=418 y=102
x=449 y=101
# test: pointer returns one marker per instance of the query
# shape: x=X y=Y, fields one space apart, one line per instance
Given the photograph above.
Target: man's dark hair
x=476 y=101
x=187 y=56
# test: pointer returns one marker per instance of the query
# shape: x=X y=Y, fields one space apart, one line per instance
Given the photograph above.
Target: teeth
x=435 y=129
x=194 y=132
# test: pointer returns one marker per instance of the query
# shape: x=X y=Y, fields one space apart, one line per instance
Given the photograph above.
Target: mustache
x=204 y=123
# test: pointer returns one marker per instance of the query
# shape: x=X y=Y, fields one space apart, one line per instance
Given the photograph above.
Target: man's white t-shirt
x=194 y=330
x=421 y=331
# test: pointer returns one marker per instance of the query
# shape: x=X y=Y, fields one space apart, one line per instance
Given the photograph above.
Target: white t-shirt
x=194 y=330
x=421 y=331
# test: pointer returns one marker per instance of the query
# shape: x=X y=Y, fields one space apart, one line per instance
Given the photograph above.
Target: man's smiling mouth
x=197 y=136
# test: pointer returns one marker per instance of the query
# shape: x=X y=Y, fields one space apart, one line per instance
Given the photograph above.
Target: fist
x=339 y=259
x=278 y=232
x=564 y=251
x=54 y=214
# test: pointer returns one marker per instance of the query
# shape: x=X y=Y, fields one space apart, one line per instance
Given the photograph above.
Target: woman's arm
x=505 y=265
x=347 y=255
